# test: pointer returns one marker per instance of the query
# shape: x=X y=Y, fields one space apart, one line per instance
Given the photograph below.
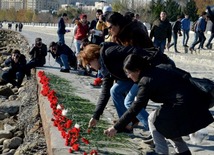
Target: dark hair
x=203 y=13
x=16 y=51
x=130 y=14
x=99 y=11
x=52 y=44
x=64 y=15
x=134 y=34
x=117 y=19
x=134 y=63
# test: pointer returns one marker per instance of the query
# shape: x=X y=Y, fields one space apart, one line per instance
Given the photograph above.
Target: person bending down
x=181 y=104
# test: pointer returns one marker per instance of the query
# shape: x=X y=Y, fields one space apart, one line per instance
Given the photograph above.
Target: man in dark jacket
x=161 y=30
x=61 y=28
x=63 y=55
x=38 y=54
x=16 y=72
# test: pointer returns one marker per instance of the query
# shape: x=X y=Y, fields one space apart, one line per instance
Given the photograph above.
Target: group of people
x=135 y=70
x=19 y=67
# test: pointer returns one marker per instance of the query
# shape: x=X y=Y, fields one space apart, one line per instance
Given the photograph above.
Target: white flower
x=58 y=106
x=77 y=126
x=64 y=112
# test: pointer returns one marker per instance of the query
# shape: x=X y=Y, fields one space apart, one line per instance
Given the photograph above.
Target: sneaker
x=147 y=140
x=65 y=70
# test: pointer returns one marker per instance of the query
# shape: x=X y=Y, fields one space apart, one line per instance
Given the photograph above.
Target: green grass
x=80 y=111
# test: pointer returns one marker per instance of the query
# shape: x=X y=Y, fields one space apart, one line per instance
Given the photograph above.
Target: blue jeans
x=175 y=38
x=62 y=60
x=118 y=92
x=185 y=37
x=61 y=38
x=196 y=40
x=160 y=44
x=77 y=44
x=143 y=115
x=11 y=76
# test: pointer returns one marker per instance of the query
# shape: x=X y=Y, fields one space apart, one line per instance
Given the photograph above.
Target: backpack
x=193 y=27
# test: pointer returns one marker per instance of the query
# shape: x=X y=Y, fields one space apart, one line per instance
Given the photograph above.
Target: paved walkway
x=200 y=65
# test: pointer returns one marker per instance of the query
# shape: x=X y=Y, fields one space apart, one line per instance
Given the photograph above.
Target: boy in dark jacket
x=16 y=72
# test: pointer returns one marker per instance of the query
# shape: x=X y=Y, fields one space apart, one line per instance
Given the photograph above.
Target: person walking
x=199 y=32
x=161 y=30
x=185 y=26
x=61 y=28
x=176 y=30
x=181 y=104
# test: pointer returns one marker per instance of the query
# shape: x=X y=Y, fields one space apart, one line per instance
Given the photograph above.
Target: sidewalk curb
x=55 y=143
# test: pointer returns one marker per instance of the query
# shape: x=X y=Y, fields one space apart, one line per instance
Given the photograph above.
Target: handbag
x=206 y=86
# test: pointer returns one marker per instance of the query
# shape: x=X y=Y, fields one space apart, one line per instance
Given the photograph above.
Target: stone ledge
x=55 y=142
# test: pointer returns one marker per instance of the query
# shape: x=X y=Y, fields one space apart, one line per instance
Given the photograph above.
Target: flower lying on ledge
x=70 y=133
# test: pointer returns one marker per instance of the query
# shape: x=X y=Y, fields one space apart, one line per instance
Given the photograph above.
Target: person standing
x=176 y=29
x=96 y=39
x=61 y=28
x=161 y=30
x=185 y=26
x=199 y=32
x=81 y=31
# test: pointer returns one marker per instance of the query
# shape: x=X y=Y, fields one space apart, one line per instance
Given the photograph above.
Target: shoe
x=95 y=86
x=177 y=51
x=184 y=153
x=147 y=140
x=65 y=70
x=192 y=50
x=186 y=45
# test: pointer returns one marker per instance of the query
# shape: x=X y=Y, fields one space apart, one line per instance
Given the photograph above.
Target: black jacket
x=61 y=26
x=184 y=110
x=38 y=54
x=16 y=67
x=161 y=30
x=113 y=55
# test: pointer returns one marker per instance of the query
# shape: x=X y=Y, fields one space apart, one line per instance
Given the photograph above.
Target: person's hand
x=110 y=132
x=92 y=123
x=92 y=31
